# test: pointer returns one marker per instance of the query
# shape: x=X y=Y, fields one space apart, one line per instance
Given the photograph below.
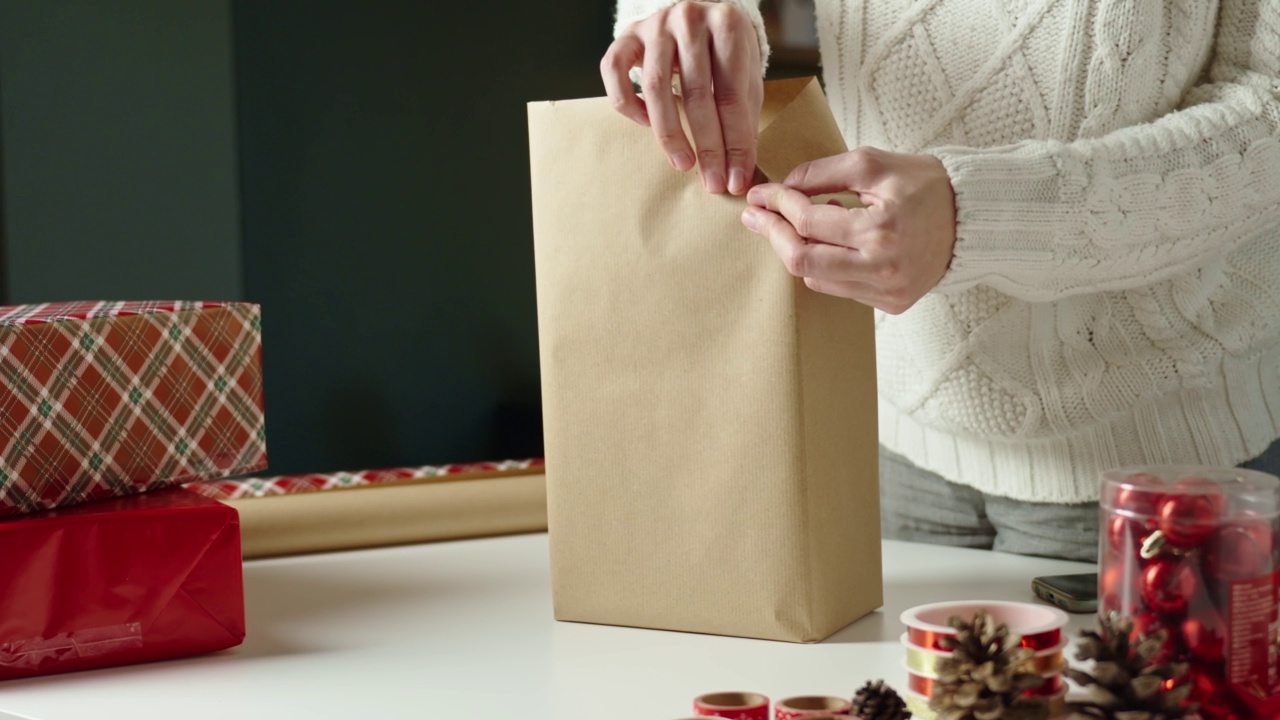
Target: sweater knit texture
x=1114 y=296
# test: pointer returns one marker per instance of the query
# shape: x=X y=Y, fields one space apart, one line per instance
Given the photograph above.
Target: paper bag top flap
x=796 y=126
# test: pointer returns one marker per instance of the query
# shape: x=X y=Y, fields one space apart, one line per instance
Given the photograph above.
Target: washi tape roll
x=925 y=661
x=736 y=705
x=918 y=705
x=1034 y=626
x=1052 y=685
x=808 y=706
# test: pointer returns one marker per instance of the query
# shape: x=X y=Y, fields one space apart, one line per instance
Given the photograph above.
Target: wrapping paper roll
x=317 y=513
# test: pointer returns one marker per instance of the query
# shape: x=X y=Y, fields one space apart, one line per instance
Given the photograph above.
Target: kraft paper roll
x=391 y=514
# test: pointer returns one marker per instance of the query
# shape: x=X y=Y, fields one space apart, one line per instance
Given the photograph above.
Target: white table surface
x=464 y=630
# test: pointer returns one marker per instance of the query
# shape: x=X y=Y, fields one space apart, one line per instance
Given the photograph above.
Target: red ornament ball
x=1120 y=589
x=1168 y=585
x=1205 y=636
x=1241 y=550
x=1145 y=625
x=1139 y=495
x=1188 y=519
x=1210 y=690
x=1125 y=535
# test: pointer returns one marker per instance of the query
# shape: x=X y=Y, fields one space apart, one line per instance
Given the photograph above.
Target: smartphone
x=1073 y=593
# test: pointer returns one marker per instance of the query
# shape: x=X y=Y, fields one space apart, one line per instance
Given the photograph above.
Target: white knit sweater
x=1114 y=298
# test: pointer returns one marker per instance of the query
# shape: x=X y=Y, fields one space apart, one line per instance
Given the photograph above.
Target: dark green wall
x=117 y=130
x=358 y=168
x=387 y=228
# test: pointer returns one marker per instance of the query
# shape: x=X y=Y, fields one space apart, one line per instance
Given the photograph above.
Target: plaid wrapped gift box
x=104 y=399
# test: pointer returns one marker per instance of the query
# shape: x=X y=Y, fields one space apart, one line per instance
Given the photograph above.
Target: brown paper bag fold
x=709 y=422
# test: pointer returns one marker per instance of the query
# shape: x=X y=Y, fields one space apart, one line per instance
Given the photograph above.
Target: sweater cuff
x=1012 y=204
x=751 y=7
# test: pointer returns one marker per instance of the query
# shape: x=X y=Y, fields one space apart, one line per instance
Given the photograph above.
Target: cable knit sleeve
x=630 y=11
x=1042 y=220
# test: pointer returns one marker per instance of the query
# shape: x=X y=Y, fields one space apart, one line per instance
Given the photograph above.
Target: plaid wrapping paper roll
x=242 y=488
x=103 y=399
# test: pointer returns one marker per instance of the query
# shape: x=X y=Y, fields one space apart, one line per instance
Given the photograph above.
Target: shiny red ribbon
x=933 y=640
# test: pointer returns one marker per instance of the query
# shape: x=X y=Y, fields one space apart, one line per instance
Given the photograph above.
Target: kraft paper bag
x=710 y=422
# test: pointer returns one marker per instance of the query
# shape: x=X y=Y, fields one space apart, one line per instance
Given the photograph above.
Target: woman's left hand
x=887 y=254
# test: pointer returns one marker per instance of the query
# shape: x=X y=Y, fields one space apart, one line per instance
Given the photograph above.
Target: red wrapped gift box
x=107 y=399
x=121 y=581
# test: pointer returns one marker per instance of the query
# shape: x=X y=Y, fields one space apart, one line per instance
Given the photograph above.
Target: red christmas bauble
x=1145 y=625
x=1120 y=589
x=1210 y=690
x=1241 y=550
x=1168 y=585
x=1189 y=519
x=1205 y=636
x=1125 y=535
x=1139 y=495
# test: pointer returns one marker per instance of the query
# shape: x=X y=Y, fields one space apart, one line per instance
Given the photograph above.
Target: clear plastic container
x=1193 y=551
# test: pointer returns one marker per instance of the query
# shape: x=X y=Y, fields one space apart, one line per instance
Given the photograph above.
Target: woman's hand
x=887 y=254
x=714 y=49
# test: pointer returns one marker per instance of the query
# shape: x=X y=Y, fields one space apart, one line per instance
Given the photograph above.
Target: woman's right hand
x=714 y=48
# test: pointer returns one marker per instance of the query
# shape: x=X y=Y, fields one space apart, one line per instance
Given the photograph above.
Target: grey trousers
x=920 y=506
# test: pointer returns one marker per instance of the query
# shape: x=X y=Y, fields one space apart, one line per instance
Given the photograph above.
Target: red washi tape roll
x=734 y=705
x=810 y=706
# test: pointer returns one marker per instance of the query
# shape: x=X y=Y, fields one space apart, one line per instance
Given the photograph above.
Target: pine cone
x=1127 y=683
x=878 y=701
x=984 y=677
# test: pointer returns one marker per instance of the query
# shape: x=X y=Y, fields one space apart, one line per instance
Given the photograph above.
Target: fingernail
x=713 y=180
x=756 y=195
x=750 y=219
x=737 y=181
x=682 y=161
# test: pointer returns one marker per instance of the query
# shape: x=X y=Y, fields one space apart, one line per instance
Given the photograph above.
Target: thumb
x=853 y=171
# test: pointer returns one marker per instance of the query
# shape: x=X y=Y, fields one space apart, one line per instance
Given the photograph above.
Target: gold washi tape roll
x=919 y=707
x=925 y=662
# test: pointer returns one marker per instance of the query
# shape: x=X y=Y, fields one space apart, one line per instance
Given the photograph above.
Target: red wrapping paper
x=102 y=399
x=129 y=580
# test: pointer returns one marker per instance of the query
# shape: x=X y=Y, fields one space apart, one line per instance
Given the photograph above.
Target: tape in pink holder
x=925 y=661
x=1034 y=626
x=922 y=685
x=920 y=710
